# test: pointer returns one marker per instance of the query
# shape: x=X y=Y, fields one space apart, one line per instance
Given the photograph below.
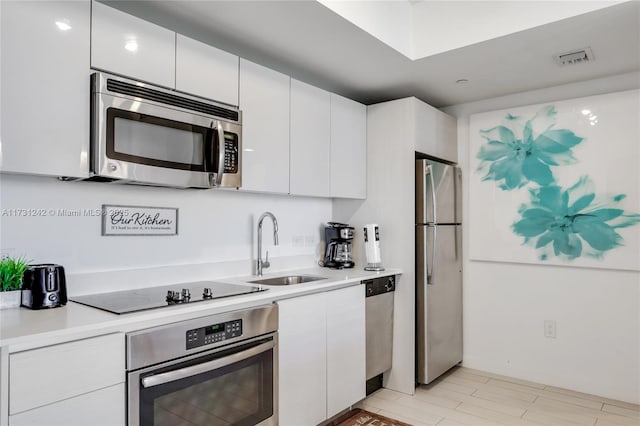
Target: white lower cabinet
x=346 y=356
x=104 y=407
x=321 y=355
x=302 y=363
x=47 y=384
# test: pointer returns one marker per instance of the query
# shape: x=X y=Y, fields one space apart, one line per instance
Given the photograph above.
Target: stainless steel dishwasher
x=379 y=320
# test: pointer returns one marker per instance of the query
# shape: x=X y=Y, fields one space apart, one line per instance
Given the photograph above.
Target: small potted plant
x=11 y=271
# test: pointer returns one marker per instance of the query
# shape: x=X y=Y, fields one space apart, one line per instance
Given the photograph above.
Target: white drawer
x=46 y=375
x=104 y=407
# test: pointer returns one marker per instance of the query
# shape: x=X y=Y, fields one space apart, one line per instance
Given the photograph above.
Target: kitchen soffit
x=312 y=43
x=419 y=29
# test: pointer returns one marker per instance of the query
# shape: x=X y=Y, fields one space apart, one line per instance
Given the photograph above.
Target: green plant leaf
x=11 y=272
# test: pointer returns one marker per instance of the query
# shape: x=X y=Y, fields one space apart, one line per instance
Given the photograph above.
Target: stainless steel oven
x=215 y=370
x=146 y=134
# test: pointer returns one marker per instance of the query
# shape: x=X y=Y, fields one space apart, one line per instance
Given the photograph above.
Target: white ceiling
x=310 y=42
x=424 y=28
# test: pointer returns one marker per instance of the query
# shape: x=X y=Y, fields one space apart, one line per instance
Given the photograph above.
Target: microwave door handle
x=221 y=154
x=183 y=373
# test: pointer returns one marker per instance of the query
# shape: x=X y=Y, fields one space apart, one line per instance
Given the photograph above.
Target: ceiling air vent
x=574 y=57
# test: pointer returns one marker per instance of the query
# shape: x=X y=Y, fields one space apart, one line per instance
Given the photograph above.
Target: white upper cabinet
x=348 y=148
x=436 y=132
x=448 y=132
x=264 y=101
x=310 y=139
x=206 y=71
x=130 y=46
x=45 y=87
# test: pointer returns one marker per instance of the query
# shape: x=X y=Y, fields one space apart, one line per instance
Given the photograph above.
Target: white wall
x=215 y=226
x=597 y=349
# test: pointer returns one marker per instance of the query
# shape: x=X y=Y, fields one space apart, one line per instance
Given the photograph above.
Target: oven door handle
x=182 y=373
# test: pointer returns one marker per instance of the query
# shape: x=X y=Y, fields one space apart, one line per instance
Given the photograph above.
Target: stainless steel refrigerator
x=438 y=269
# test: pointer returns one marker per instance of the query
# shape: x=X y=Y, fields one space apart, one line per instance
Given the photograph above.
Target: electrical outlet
x=550 y=329
x=298 y=240
x=310 y=240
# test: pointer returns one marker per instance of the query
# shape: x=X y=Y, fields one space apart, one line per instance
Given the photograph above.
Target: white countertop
x=23 y=328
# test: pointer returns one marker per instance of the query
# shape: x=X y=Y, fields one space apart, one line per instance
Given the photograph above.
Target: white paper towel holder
x=372 y=247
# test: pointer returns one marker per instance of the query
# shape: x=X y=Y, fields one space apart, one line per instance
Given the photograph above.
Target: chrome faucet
x=261 y=264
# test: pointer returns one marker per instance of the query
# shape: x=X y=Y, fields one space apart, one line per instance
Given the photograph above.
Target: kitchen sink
x=288 y=280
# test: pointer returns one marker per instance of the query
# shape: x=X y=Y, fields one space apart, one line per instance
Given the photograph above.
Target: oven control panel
x=213 y=333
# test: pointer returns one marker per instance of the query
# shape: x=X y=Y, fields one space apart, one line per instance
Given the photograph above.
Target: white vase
x=10 y=299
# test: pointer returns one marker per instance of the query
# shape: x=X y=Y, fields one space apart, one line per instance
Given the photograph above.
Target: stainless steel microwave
x=149 y=135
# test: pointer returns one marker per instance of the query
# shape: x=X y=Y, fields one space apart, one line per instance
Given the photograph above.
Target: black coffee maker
x=338 y=238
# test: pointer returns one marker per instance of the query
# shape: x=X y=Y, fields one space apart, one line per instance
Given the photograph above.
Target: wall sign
x=558 y=183
x=134 y=220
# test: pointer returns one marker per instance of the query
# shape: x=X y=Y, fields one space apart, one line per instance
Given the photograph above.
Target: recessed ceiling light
x=131 y=45
x=462 y=81
x=586 y=111
x=63 y=26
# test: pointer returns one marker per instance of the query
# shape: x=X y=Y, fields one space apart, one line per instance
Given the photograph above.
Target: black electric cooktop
x=122 y=302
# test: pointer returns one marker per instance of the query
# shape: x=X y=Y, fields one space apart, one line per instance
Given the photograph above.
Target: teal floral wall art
x=518 y=152
x=572 y=223
x=557 y=183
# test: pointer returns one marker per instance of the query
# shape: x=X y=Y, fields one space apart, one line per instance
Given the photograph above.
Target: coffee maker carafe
x=338 y=238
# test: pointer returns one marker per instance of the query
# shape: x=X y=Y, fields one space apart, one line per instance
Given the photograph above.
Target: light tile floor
x=471 y=397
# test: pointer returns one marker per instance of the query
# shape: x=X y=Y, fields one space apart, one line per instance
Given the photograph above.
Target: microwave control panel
x=213 y=333
x=230 y=153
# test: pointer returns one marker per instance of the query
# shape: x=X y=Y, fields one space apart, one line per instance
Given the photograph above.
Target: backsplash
x=47 y=220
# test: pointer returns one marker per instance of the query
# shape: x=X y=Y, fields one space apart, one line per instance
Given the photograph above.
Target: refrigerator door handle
x=430 y=275
x=458 y=195
x=429 y=174
x=422 y=253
